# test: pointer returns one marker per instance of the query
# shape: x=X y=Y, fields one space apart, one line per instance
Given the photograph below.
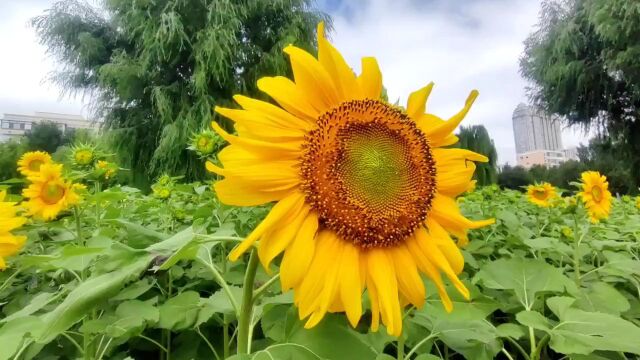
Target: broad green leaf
x=134 y=290
x=131 y=317
x=13 y=332
x=286 y=351
x=180 y=312
x=85 y=297
x=533 y=319
x=525 y=277
x=510 y=330
x=602 y=297
x=38 y=302
x=218 y=303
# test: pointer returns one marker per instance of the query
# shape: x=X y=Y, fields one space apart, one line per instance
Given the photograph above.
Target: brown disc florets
x=369 y=173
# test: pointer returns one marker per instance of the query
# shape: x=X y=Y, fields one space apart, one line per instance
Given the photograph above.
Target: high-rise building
x=16 y=125
x=535 y=130
x=538 y=137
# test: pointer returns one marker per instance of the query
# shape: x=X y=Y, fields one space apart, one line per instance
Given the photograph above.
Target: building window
x=5 y=125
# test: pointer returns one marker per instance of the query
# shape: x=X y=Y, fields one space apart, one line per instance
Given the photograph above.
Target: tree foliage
x=155 y=69
x=584 y=63
x=45 y=136
x=514 y=177
x=476 y=138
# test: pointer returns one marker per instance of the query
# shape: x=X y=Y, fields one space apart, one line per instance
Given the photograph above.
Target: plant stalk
x=246 y=309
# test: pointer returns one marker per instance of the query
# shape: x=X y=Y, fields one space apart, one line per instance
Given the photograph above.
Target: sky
x=460 y=45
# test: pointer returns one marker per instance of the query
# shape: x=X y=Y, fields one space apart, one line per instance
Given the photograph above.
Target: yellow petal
x=370 y=80
x=446 y=212
x=416 y=103
x=312 y=79
x=382 y=274
x=338 y=69
x=298 y=255
x=409 y=281
x=280 y=211
x=255 y=125
x=446 y=245
x=276 y=240
x=350 y=285
x=274 y=114
x=281 y=151
x=240 y=193
x=430 y=270
x=285 y=93
x=437 y=134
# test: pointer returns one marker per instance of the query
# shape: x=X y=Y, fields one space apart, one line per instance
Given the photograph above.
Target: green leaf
x=12 y=333
x=525 y=277
x=131 y=317
x=180 y=312
x=533 y=319
x=85 y=297
x=38 y=302
x=134 y=290
x=286 y=351
x=602 y=297
x=510 y=330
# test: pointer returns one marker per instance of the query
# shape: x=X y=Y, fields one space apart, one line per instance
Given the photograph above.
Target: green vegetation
x=148 y=278
x=156 y=69
x=476 y=138
x=584 y=63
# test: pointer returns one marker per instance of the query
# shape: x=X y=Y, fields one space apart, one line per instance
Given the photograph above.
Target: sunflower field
x=335 y=226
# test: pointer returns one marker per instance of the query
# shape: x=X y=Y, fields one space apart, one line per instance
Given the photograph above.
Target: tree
x=476 y=138
x=155 y=69
x=514 y=177
x=584 y=62
x=45 y=136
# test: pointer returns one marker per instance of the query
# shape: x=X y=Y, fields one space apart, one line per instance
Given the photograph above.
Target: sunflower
x=83 y=155
x=205 y=142
x=365 y=191
x=9 y=243
x=30 y=162
x=49 y=193
x=106 y=169
x=542 y=194
x=596 y=195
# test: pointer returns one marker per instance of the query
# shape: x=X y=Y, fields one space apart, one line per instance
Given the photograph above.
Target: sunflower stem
x=246 y=309
x=576 y=252
x=400 y=347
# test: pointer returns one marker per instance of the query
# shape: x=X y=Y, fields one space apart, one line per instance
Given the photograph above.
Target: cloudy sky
x=458 y=44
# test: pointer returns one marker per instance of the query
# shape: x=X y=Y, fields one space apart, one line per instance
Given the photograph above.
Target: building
x=571 y=153
x=534 y=130
x=538 y=137
x=541 y=157
x=15 y=125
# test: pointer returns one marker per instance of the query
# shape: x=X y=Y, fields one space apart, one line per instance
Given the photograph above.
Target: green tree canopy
x=45 y=136
x=514 y=177
x=476 y=138
x=584 y=62
x=155 y=69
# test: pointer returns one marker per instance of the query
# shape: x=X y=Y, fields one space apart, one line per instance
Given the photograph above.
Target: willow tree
x=476 y=138
x=583 y=61
x=154 y=69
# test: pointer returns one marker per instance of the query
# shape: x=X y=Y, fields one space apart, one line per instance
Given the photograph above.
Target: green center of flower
x=369 y=173
x=596 y=192
x=52 y=193
x=35 y=165
x=375 y=164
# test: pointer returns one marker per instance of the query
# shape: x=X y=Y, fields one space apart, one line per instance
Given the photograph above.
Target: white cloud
x=459 y=45
x=24 y=66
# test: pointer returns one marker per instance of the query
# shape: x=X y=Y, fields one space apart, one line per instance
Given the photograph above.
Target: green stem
x=6 y=283
x=417 y=346
x=400 y=347
x=517 y=346
x=259 y=291
x=213 y=350
x=225 y=337
x=86 y=338
x=576 y=252
x=532 y=341
x=506 y=353
x=535 y=354
x=246 y=310
x=153 y=342
x=223 y=284
x=73 y=341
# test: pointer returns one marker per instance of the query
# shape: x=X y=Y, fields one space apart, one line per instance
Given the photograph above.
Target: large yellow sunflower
x=30 y=162
x=9 y=243
x=49 y=193
x=596 y=195
x=542 y=194
x=364 y=190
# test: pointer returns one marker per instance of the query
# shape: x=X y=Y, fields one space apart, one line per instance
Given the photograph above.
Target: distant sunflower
x=542 y=194
x=365 y=190
x=596 y=195
x=30 y=162
x=83 y=155
x=49 y=193
x=9 y=244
